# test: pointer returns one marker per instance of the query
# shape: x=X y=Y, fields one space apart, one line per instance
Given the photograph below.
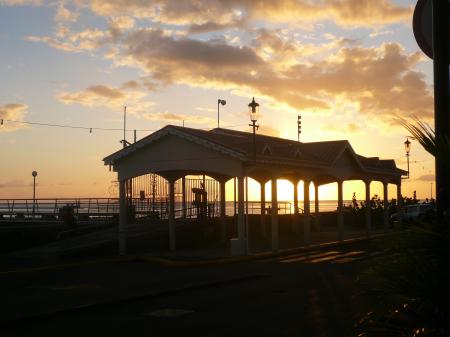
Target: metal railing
x=91 y=209
x=50 y=209
x=284 y=207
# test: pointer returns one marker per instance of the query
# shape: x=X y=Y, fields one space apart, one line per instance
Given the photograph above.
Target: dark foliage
x=408 y=292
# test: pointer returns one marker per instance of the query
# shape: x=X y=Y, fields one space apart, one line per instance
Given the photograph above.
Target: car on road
x=415 y=212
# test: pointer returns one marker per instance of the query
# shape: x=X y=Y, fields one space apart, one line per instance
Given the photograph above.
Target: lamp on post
x=407 y=151
x=219 y=102
x=34 y=174
x=253 y=109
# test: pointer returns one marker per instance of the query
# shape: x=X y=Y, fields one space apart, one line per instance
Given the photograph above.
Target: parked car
x=416 y=212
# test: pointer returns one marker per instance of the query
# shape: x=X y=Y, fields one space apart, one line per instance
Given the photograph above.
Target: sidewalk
x=82 y=284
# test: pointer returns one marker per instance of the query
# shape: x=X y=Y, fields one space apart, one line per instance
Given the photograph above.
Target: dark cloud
x=379 y=81
x=212 y=14
x=169 y=117
x=113 y=98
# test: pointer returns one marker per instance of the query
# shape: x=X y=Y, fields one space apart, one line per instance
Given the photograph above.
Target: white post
x=235 y=198
x=400 y=205
x=183 y=201
x=241 y=215
x=247 y=249
x=306 y=215
x=275 y=242
x=122 y=218
x=385 y=207
x=316 y=206
x=263 y=209
x=368 y=209
x=295 y=221
x=223 y=225
x=172 y=237
x=340 y=211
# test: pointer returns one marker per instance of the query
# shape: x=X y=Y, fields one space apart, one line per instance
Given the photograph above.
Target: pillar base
x=237 y=247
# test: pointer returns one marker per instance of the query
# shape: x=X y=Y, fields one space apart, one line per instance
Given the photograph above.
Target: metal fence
x=51 y=209
x=101 y=209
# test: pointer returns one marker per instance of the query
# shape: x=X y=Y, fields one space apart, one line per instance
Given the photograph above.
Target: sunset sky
x=347 y=66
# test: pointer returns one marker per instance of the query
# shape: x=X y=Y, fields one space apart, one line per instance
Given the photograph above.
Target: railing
x=91 y=209
x=284 y=207
x=50 y=209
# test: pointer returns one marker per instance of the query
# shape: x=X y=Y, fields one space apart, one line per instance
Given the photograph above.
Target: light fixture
x=253 y=109
x=219 y=102
x=407 y=146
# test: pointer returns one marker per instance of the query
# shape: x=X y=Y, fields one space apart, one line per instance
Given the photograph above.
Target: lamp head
x=253 y=109
x=222 y=101
x=34 y=173
x=407 y=146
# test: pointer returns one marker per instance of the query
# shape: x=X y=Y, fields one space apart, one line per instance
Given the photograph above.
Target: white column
x=275 y=242
x=306 y=215
x=368 y=209
x=295 y=183
x=183 y=201
x=223 y=224
x=172 y=237
x=295 y=222
x=263 y=209
x=235 y=198
x=122 y=219
x=400 y=205
x=241 y=215
x=316 y=206
x=385 y=207
x=340 y=212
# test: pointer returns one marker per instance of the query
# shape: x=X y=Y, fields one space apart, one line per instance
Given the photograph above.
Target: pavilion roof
x=268 y=148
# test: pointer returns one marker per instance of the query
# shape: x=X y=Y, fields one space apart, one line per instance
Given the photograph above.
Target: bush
x=409 y=291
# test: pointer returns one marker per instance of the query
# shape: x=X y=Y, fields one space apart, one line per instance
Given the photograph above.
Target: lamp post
x=253 y=109
x=219 y=102
x=407 y=150
x=34 y=174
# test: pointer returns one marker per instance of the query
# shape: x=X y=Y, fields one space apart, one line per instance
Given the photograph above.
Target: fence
x=101 y=209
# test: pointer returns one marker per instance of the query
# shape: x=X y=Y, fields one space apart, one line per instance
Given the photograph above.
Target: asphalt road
x=304 y=294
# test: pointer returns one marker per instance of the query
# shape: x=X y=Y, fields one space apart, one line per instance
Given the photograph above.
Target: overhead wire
x=70 y=126
x=88 y=128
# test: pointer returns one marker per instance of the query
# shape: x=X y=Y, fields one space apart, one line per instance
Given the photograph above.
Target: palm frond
x=437 y=146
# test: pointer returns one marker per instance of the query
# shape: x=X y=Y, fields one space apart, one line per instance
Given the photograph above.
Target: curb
x=258 y=256
x=171 y=262
x=61 y=266
x=106 y=303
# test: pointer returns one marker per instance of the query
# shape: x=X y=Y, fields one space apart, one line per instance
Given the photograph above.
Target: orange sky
x=348 y=67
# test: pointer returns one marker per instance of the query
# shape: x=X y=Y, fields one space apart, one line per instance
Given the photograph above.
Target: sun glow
x=285 y=190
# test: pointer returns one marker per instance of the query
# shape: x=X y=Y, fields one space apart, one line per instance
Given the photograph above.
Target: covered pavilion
x=174 y=152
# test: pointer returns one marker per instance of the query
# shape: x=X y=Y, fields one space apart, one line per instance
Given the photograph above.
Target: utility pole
x=34 y=174
x=299 y=127
x=219 y=102
x=254 y=111
x=124 y=126
x=440 y=19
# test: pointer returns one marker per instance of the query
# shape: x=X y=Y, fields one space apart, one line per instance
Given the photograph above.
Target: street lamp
x=34 y=174
x=219 y=102
x=407 y=150
x=253 y=109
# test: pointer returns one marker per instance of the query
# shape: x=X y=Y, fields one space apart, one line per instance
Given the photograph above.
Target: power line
x=90 y=129
x=69 y=126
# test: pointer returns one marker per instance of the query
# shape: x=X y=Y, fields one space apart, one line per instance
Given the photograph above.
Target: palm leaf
x=437 y=146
